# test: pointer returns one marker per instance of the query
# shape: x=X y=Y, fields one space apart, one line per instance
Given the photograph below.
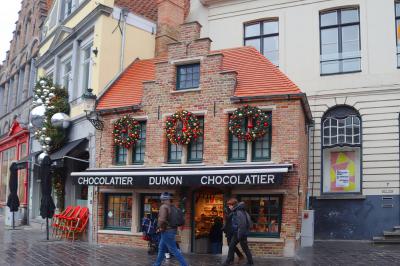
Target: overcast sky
x=8 y=16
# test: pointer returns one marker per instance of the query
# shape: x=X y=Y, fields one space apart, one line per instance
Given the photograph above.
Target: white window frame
x=84 y=46
x=63 y=74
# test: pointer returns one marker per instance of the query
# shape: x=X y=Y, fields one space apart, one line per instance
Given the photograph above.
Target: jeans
x=237 y=251
x=168 y=243
x=216 y=247
x=243 y=244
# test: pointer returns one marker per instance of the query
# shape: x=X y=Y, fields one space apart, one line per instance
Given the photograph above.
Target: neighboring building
x=345 y=56
x=269 y=175
x=17 y=77
x=85 y=45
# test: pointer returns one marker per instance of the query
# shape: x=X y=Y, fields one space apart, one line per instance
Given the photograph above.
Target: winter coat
x=216 y=233
x=241 y=221
x=163 y=214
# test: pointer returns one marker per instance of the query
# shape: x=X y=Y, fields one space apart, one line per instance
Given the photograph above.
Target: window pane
x=328 y=19
x=398 y=34
x=271 y=48
x=271 y=27
x=118 y=212
x=329 y=67
x=350 y=41
x=255 y=43
x=351 y=65
x=329 y=44
x=252 y=30
x=397 y=9
x=188 y=76
x=349 y=16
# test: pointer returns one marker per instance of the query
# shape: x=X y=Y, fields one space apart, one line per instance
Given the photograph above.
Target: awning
x=66 y=149
x=264 y=175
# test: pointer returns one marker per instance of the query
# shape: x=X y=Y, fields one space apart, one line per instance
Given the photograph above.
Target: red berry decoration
x=190 y=127
x=249 y=132
x=126 y=131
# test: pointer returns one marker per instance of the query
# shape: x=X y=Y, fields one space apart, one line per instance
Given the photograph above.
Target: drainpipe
x=309 y=127
x=399 y=164
x=124 y=14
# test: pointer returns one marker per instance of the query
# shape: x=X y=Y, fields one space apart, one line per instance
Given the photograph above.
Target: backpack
x=176 y=217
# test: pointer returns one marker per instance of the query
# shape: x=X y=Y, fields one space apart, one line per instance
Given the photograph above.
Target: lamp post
x=89 y=106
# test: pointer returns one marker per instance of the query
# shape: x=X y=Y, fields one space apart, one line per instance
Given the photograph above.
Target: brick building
x=269 y=174
x=17 y=77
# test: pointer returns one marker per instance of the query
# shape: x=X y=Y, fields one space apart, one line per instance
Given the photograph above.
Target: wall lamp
x=89 y=106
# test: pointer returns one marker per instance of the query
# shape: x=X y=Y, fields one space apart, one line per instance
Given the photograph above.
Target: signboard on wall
x=219 y=176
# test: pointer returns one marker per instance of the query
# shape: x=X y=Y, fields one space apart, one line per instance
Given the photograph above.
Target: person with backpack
x=169 y=218
x=241 y=223
x=228 y=232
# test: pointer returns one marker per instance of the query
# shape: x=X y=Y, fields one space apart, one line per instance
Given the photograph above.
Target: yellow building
x=86 y=44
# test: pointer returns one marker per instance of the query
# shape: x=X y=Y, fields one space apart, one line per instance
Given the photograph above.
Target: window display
x=265 y=212
x=118 y=211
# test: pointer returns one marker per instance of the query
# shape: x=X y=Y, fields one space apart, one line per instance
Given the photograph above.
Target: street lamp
x=89 y=106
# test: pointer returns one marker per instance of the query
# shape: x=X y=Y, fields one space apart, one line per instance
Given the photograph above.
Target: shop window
x=341 y=150
x=340 y=41
x=118 y=211
x=397 y=8
x=7 y=157
x=264 y=36
x=195 y=147
x=259 y=149
x=188 y=76
x=266 y=214
x=135 y=154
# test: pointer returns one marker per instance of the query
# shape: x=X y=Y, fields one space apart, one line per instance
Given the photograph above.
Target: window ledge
x=265 y=240
x=181 y=164
x=341 y=197
x=116 y=232
x=187 y=90
x=249 y=163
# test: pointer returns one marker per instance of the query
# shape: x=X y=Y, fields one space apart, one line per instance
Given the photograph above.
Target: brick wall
x=289 y=141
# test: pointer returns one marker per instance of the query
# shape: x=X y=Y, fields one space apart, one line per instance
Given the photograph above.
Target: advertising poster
x=343 y=171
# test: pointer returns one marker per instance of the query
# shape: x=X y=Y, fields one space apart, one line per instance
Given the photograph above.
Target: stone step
x=391 y=233
x=396 y=227
x=383 y=240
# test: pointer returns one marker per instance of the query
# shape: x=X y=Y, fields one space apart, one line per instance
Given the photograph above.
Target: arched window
x=341 y=150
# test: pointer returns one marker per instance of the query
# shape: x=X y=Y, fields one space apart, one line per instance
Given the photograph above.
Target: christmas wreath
x=189 y=127
x=257 y=126
x=126 y=131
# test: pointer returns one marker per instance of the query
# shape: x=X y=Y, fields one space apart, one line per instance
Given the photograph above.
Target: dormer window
x=188 y=76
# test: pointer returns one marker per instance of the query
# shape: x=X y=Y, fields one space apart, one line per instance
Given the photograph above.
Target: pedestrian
x=169 y=218
x=215 y=236
x=229 y=232
x=241 y=224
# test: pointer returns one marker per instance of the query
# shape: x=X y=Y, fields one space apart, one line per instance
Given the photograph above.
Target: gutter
x=119 y=109
x=301 y=96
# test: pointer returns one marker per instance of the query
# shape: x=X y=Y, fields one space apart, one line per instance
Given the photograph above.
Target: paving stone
x=28 y=247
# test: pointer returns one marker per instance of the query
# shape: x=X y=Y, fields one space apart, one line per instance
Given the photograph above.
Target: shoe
x=167 y=255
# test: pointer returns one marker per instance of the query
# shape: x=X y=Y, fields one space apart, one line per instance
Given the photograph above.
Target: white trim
x=187 y=61
x=136 y=21
x=263 y=108
x=196 y=172
x=265 y=240
x=187 y=90
x=259 y=192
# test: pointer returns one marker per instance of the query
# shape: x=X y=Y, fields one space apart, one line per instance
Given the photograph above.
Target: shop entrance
x=208 y=206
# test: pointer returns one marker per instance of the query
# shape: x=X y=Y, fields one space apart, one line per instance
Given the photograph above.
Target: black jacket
x=240 y=221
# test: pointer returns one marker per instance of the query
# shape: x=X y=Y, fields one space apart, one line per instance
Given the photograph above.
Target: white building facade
x=345 y=56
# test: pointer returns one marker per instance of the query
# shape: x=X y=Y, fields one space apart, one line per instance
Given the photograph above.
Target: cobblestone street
x=27 y=246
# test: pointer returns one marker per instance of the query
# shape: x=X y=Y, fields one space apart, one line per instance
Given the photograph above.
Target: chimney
x=171 y=14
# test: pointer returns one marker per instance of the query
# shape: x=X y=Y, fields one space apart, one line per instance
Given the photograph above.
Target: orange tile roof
x=127 y=90
x=146 y=8
x=256 y=76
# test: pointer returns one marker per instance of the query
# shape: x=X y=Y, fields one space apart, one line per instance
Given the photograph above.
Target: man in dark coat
x=241 y=223
x=229 y=233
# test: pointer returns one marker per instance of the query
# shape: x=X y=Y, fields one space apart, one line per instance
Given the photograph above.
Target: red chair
x=64 y=221
x=55 y=222
x=78 y=225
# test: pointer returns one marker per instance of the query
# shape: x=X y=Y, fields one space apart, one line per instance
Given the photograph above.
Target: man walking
x=229 y=232
x=168 y=231
x=241 y=222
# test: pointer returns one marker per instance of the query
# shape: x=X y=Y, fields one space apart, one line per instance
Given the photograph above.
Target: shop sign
x=248 y=179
